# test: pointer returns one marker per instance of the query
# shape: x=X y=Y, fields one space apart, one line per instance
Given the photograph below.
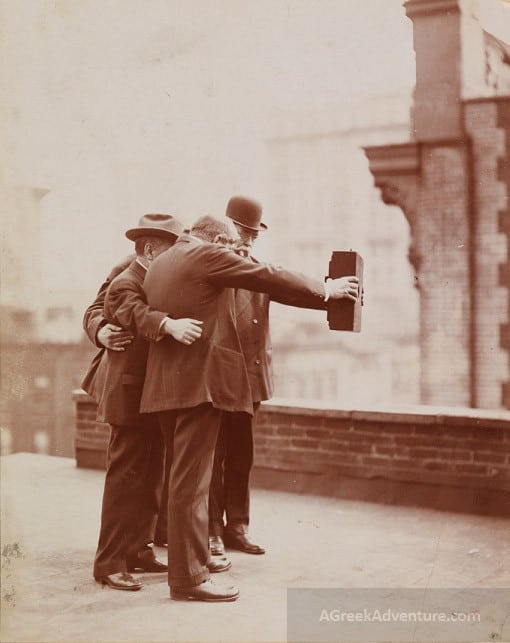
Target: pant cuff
x=111 y=567
x=237 y=528
x=188 y=581
x=216 y=529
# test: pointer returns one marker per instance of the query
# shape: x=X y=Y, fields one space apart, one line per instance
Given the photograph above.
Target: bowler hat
x=246 y=213
x=156 y=225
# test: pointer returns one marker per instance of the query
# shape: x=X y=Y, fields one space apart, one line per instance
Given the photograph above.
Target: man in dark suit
x=106 y=335
x=229 y=495
x=134 y=473
x=190 y=386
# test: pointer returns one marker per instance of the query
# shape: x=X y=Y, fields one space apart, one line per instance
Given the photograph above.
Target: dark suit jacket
x=252 y=322
x=120 y=375
x=195 y=279
x=93 y=320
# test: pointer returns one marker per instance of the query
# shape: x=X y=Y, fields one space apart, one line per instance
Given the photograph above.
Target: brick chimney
x=450 y=64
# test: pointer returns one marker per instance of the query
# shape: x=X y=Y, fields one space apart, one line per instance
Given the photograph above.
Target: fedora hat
x=246 y=213
x=156 y=225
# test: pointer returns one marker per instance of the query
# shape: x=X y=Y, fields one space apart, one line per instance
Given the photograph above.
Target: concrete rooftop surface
x=50 y=522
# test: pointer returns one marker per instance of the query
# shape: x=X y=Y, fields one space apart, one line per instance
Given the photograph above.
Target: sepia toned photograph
x=255 y=321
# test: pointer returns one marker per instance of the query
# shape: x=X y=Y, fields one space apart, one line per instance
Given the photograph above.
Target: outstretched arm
x=227 y=269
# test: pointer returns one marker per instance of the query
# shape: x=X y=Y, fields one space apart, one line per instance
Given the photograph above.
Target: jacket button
x=257 y=362
x=255 y=321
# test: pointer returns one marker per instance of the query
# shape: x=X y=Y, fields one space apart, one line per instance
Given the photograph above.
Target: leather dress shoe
x=241 y=542
x=218 y=565
x=216 y=546
x=121 y=580
x=206 y=591
x=146 y=562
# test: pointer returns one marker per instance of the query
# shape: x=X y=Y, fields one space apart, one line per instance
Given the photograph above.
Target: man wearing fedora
x=229 y=495
x=189 y=387
x=134 y=475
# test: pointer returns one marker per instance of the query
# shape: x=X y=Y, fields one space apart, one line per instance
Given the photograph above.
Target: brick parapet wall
x=419 y=446
x=448 y=458
x=91 y=437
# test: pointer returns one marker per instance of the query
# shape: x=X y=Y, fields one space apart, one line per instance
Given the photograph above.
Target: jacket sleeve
x=227 y=269
x=94 y=319
x=126 y=304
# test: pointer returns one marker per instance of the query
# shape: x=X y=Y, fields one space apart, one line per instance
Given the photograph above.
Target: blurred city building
x=20 y=261
x=42 y=352
x=322 y=198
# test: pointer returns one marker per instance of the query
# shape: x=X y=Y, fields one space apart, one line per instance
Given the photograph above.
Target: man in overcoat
x=134 y=475
x=189 y=386
x=229 y=496
x=106 y=335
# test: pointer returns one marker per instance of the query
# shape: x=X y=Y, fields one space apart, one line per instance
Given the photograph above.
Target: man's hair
x=142 y=241
x=208 y=228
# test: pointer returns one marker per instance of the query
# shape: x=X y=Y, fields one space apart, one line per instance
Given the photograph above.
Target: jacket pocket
x=227 y=375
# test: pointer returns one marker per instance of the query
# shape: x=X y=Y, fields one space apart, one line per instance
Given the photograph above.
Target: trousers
x=229 y=496
x=190 y=437
x=132 y=494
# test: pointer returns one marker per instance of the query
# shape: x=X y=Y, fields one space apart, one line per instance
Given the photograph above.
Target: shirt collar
x=141 y=264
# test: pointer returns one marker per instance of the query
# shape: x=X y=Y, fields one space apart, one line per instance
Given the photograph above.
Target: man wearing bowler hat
x=229 y=495
x=134 y=475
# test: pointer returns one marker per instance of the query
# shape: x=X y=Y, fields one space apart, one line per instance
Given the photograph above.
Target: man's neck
x=142 y=261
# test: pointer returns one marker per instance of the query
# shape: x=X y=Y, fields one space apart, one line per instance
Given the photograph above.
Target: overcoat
x=252 y=323
x=196 y=279
x=119 y=377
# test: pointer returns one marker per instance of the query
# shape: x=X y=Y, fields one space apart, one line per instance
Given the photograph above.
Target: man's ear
x=148 y=251
x=222 y=238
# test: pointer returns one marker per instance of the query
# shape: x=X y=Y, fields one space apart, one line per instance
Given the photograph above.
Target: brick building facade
x=452 y=181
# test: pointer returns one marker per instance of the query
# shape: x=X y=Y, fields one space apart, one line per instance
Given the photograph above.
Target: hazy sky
x=120 y=107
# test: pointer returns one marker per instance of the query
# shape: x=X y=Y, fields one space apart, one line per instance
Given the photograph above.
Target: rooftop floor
x=50 y=522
